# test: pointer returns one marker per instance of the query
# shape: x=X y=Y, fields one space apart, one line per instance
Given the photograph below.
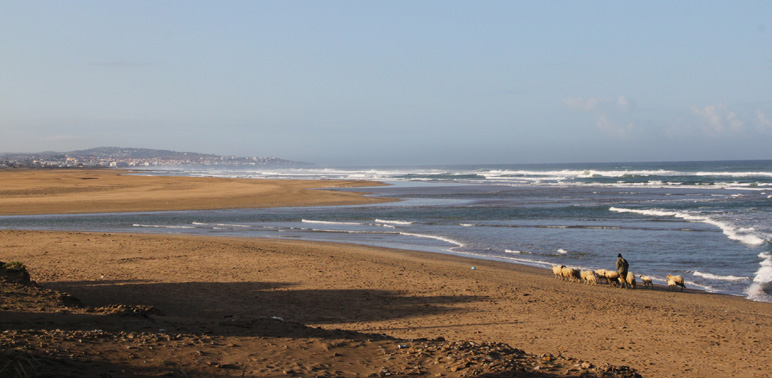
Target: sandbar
x=74 y=191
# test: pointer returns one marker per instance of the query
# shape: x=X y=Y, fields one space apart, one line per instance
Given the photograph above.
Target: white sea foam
x=231 y=225
x=558 y=177
x=762 y=280
x=702 y=287
x=394 y=222
x=584 y=173
x=711 y=276
x=516 y=252
x=319 y=230
x=467 y=225
x=330 y=222
x=160 y=226
x=440 y=238
x=509 y=259
x=743 y=235
x=562 y=251
x=734 y=174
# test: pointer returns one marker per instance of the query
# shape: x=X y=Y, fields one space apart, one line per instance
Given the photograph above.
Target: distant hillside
x=139 y=153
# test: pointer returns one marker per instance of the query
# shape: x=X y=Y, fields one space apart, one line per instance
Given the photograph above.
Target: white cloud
x=718 y=119
x=763 y=123
x=580 y=103
x=613 y=115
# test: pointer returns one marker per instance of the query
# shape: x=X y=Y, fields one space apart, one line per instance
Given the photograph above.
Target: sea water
x=710 y=222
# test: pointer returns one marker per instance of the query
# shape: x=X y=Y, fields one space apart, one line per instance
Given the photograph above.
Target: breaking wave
x=711 y=276
x=440 y=238
x=394 y=222
x=517 y=252
x=231 y=225
x=331 y=222
x=161 y=226
x=743 y=235
x=761 y=288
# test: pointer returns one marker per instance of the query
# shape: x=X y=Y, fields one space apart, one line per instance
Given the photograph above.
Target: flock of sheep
x=611 y=277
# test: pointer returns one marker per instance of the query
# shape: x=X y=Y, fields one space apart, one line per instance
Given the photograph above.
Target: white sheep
x=571 y=274
x=590 y=277
x=612 y=277
x=647 y=282
x=601 y=275
x=565 y=273
x=622 y=280
x=676 y=281
x=556 y=271
x=630 y=280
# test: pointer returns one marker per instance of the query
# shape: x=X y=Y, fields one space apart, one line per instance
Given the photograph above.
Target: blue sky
x=391 y=82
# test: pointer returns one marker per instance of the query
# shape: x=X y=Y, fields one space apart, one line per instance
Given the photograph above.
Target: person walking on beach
x=622 y=266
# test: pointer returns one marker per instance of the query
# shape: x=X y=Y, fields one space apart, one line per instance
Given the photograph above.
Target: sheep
x=590 y=277
x=576 y=275
x=612 y=277
x=676 y=281
x=556 y=271
x=571 y=274
x=584 y=274
x=565 y=273
x=630 y=280
x=622 y=281
x=647 y=282
x=601 y=273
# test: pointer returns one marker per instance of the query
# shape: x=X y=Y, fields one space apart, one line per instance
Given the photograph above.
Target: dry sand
x=218 y=296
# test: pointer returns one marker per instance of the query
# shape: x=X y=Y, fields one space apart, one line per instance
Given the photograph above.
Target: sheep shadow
x=212 y=305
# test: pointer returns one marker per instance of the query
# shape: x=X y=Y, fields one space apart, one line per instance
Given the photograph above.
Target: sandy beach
x=204 y=306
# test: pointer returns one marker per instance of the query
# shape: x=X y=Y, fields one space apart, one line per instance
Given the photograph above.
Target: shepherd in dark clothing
x=622 y=266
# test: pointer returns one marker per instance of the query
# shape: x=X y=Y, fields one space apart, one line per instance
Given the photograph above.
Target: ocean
x=710 y=222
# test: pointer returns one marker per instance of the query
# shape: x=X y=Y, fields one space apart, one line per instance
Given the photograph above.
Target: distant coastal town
x=118 y=157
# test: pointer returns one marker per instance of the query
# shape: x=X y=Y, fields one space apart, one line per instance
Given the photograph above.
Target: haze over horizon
x=392 y=83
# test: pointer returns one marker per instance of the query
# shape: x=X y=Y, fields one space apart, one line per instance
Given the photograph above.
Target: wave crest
x=395 y=222
x=761 y=288
x=711 y=276
x=743 y=235
x=330 y=222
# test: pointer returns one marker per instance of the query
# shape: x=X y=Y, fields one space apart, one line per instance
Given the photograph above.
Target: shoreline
x=120 y=191
x=207 y=282
x=461 y=255
x=109 y=190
